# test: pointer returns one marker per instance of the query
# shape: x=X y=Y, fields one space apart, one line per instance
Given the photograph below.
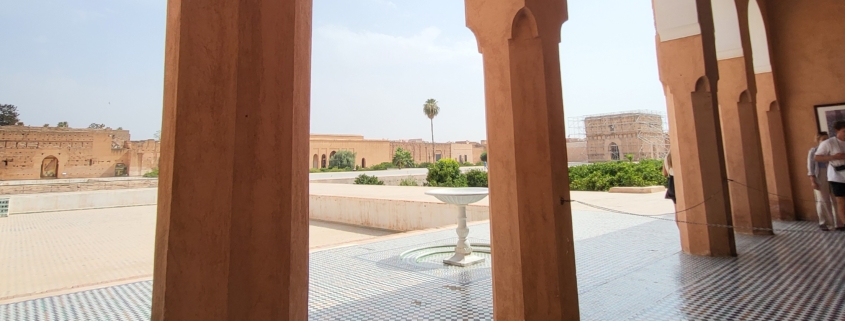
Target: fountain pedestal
x=461 y=197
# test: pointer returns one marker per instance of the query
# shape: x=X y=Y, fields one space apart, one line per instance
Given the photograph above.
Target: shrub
x=382 y=166
x=410 y=181
x=365 y=179
x=402 y=158
x=484 y=157
x=476 y=178
x=313 y=170
x=479 y=164
x=603 y=176
x=152 y=173
x=467 y=164
x=424 y=165
x=446 y=173
x=342 y=159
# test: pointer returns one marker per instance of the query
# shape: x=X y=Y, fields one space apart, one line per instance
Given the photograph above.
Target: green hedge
x=476 y=178
x=603 y=176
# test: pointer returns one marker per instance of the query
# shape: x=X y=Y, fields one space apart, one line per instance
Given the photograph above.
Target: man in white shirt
x=833 y=152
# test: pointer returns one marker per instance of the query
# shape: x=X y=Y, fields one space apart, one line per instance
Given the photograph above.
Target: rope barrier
x=709 y=198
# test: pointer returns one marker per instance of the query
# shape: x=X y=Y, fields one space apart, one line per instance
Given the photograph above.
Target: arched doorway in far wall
x=50 y=167
x=363 y=163
x=315 y=162
x=614 y=151
x=323 y=165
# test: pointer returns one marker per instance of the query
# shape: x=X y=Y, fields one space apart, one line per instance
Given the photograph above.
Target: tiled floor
x=47 y=252
x=629 y=268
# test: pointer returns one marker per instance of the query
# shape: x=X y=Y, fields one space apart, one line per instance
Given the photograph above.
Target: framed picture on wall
x=827 y=114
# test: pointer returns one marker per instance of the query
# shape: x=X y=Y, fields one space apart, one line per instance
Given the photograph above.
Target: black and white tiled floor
x=629 y=268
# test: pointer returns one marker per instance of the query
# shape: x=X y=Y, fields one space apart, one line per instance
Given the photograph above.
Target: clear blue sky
x=374 y=64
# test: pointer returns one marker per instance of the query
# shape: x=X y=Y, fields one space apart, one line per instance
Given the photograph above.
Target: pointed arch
x=524 y=25
x=759 y=39
x=726 y=24
x=676 y=19
x=745 y=97
x=774 y=106
x=702 y=85
x=50 y=167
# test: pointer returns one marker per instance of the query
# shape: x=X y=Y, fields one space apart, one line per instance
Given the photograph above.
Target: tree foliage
x=402 y=158
x=342 y=159
x=431 y=109
x=62 y=124
x=9 y=115
x=365 y=179
x=97 y=126
x=484 y=156
x=446 y=173
x=157 y=135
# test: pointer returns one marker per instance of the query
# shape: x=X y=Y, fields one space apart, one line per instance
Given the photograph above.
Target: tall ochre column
x=232 y=227
x=531 y=222
x=688 y=69
x=744 y=156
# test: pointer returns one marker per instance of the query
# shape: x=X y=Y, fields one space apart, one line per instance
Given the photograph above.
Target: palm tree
x=431 y=110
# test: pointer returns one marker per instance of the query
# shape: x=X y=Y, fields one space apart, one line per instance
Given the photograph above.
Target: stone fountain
x=461 y=197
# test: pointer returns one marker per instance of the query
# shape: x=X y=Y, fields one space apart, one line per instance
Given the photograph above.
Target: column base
x=463 y=260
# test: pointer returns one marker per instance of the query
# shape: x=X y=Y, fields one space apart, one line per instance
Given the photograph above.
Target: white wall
x=53 y=202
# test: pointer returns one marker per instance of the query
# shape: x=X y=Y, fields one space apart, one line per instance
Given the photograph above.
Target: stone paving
x=48 y=252
x=629 y=268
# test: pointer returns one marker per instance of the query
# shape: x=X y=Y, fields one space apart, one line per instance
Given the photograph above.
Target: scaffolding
x=639 y=134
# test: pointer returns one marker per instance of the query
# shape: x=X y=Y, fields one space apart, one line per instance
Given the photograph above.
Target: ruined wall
x=576 y=152
x=477 y=150
x=421 y=151
x=47 y=152
x=367 y=152
x=640 y=135
x=462 y=152
x=144 y=156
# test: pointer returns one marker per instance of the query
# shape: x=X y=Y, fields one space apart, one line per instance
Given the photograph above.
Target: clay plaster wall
x=807 y=41
x=367 y=152
x=81 y=153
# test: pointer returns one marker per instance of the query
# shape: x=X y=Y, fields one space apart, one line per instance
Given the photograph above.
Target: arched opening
x=614 y=151
x=726 y=25
x=332 y=154
x=315 y=162
x=323 y=163
x=759 y=39
x=363 y=163
x=676 y=19
x=50 y=167
x=121 y=170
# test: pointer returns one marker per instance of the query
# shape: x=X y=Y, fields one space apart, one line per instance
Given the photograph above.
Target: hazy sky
x=374 y=64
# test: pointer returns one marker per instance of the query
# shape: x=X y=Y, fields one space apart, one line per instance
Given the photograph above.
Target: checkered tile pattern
x=629 y=268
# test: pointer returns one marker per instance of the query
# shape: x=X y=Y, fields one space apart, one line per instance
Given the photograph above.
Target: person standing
x=817 y=172
x=670 y=174
x=832 y=151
